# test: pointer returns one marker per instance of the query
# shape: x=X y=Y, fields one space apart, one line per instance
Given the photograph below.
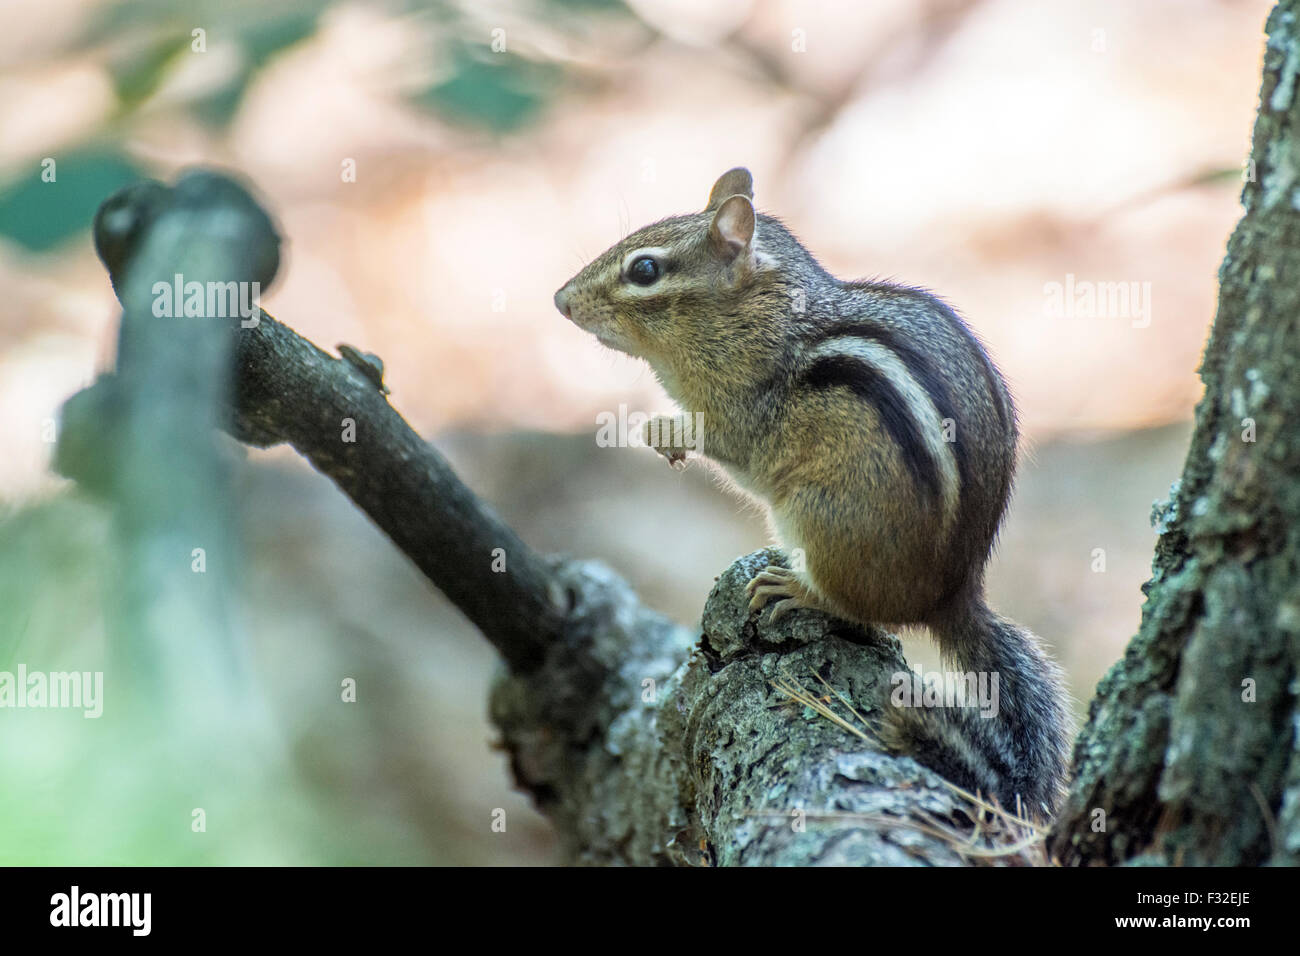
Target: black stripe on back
x=997 y=393
x=920 y=368
x=872 y=385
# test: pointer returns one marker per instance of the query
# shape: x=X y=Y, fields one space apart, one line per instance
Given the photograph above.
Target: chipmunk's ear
x=731 y=234
x=734 y=182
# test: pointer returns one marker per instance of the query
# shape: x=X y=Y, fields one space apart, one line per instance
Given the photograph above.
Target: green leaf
x=40 y=215
x=590 y=6
x=135 y=77
x=501 y=91
x=262 y=39
x=218 y=108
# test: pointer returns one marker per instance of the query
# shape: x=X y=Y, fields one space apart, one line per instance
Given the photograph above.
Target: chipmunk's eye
x=643 y=271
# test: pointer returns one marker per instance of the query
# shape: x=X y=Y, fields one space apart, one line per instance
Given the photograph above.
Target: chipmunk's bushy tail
x=1019 y=752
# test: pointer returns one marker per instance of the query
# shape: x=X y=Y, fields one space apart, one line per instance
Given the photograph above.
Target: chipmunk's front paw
x=676 y=457
x=658 y=433
x=775 y=581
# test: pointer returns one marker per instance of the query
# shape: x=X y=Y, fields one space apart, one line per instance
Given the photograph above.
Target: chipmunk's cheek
x=608 y=335
x=586 y=321
x=611 y=336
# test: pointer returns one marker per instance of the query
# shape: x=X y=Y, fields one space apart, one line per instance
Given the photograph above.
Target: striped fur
x=906 y=406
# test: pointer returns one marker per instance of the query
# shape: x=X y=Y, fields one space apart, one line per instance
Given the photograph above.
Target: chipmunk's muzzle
x=577 y=308
x=563 y=302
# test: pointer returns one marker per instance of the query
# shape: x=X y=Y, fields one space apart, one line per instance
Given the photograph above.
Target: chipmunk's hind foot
x=775 y=582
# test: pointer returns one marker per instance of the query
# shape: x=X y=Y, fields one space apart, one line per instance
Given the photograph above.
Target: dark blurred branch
x=146 y=439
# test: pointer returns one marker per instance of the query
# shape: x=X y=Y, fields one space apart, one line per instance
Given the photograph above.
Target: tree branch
x=288 y=390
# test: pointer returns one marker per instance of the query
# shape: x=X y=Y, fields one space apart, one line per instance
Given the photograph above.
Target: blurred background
x=1064 y=174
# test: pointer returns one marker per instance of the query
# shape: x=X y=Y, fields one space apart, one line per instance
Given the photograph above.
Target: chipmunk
x=873 y=424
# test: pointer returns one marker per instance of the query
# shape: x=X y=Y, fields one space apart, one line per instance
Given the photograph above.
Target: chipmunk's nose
x=562 y=301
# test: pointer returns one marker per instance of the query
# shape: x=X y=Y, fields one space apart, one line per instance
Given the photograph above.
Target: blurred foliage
x=146 y=41
x=138 y=75
x=148 y=37
x=326 y=783
x=501 y=91
x=261 y=41
x=39 y=215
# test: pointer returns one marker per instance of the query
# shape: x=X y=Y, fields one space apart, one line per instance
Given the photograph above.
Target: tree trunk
x=1188 y=756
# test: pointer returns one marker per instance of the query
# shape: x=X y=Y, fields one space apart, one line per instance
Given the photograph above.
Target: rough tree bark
x=1189 y=754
